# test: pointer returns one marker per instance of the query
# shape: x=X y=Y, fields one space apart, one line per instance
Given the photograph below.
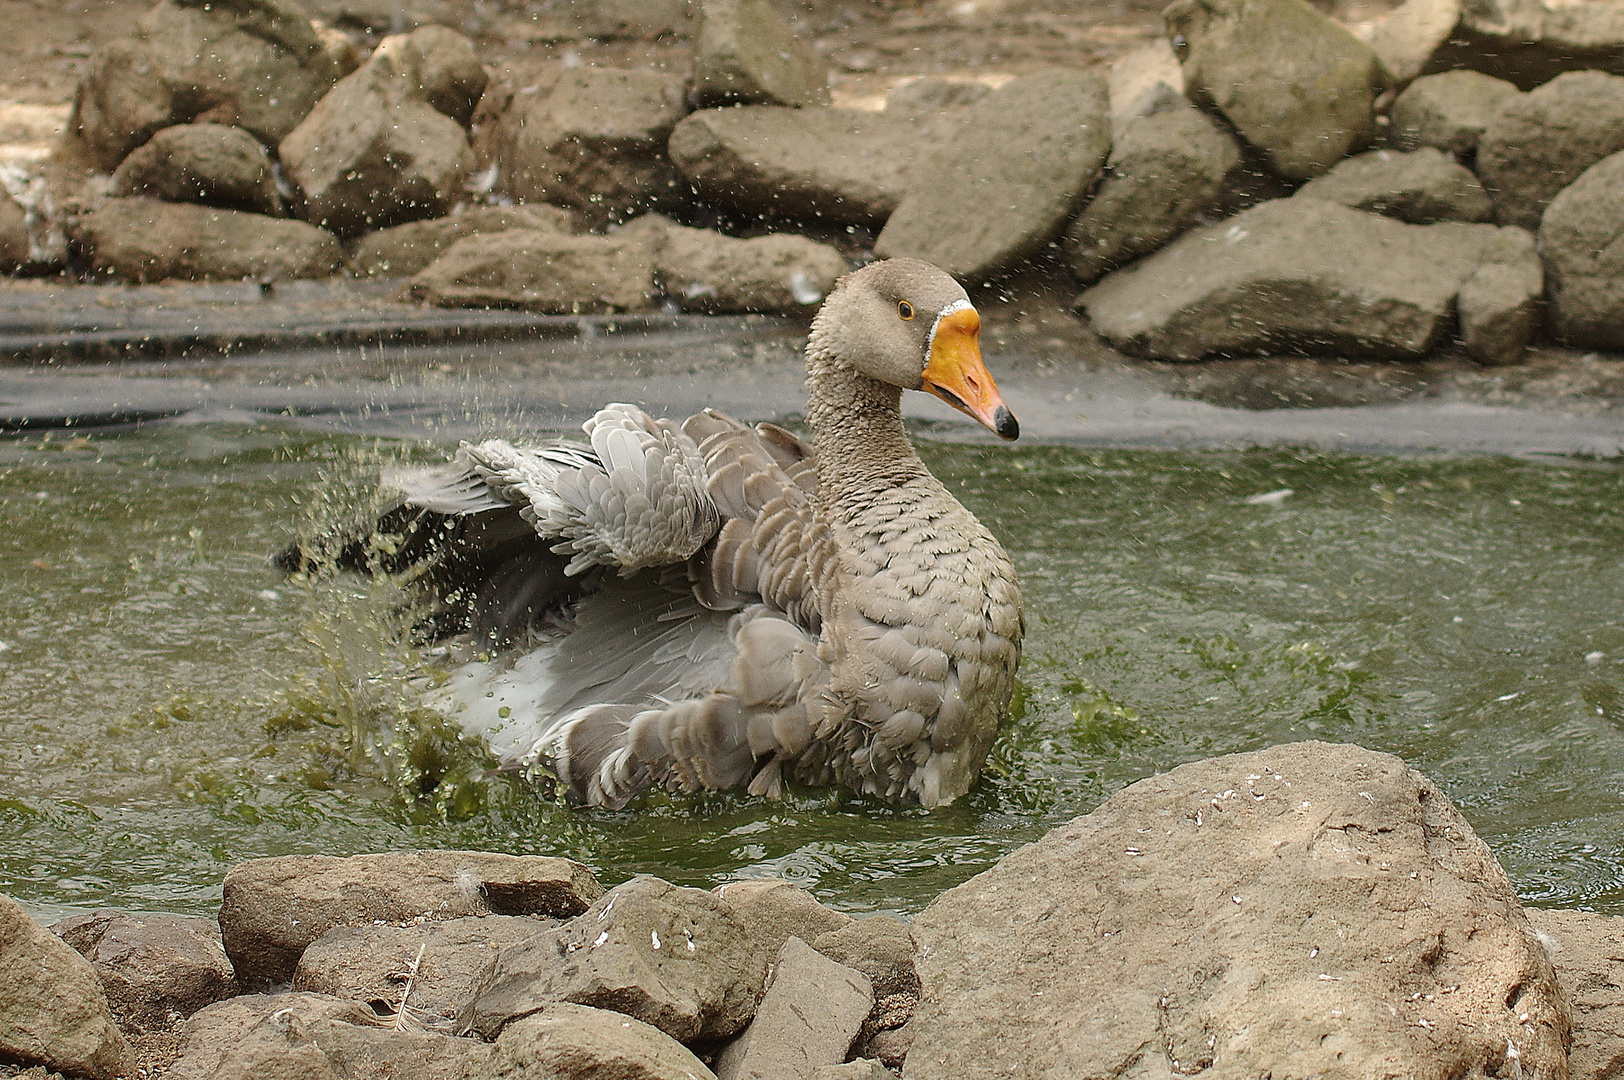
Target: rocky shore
x=1314 y=909
x=1265 y=180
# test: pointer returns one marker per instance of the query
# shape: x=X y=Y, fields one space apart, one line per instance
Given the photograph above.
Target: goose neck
x=857 y=420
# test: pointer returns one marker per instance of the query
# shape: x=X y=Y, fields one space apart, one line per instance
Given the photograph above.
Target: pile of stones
x=1310 y=910
x=1265 y=180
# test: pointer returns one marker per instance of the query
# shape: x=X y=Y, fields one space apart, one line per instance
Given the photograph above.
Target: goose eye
x=905 y=309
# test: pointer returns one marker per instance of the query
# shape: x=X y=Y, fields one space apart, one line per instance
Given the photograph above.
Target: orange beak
x=955 y=373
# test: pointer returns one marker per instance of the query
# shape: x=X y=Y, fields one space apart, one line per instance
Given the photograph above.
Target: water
x=170 y=703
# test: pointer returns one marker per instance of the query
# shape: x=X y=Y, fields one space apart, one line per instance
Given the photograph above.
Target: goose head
x=908 y=324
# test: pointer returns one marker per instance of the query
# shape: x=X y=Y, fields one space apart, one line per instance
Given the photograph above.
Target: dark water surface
x=170 y=703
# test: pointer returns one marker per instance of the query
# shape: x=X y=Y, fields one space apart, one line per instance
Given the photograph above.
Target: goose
x=713 y=605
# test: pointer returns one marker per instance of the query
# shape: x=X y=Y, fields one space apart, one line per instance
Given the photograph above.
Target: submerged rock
x=1308 y=910
x=1540 y=142
x=212 y=164
x=143 y=240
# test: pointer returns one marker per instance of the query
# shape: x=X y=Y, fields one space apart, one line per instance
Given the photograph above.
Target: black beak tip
x=1005 y=424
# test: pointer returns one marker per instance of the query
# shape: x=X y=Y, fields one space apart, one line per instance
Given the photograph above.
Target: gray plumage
x=716 y=605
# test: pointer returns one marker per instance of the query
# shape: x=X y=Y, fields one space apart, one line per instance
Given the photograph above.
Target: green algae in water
x=170 y=703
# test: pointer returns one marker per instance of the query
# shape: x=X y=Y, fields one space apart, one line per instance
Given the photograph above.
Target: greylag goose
x=718 y=606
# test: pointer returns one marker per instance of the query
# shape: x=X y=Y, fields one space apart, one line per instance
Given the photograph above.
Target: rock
x=273 y=908
x=444 y=67
x=776 y=162
x=774 y=910
x=748 y=55
x=925 y=95
x=1405 y=39
x=143 y=240
x=595 y=143
x=155 y=969
x=13 y=234
x=376 y=151
x=212 y=164
x=197 y=61
x=1297 y=85
x=678 y=959
x=52 y=1008
x=580 y=1043
x=541 y=271
x=1449 y=110
x=1529 y=42
x=777 y=274
x=1006 y=182
x=861 y=1069
x=380 y=18
x=1147 y=80
x=1584 y=263
x=1540 y=142
x=1292 y=274
x=1308 y=910
x=403 y=250
x=1588 y=951
x=888 y=1046
x=373 y=963
x=1500 y=303
x=809 y=1016
x=309 y=1037
x=880 y=947
x=1421 y=187
x=1164 y=170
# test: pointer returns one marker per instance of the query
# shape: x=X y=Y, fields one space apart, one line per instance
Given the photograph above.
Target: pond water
x=170 y=703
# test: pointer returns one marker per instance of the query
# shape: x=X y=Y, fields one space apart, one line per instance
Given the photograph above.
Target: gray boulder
x=311 y=1037
x=52 y=1008
x=748 y=55
x=1584 y=261
x=676 y=958
x=13 y=234
x=212 y=164
x=809 y=1017
x=155 y=969
x=1008 y=179
x=1308 y=910
x=195 y=61
x=595 y=143
x=704 y=271
x=774 y=910
x=1500 y=304
x=376 y=151
x=1421 y=187
x=1588 y=951
x=143 y=240
x=428 y=969
x=1407 y=36
x=1164 y=170
x=1292 y=274
x=1294 y=83
x=273 y=908
x=403 y=250
x=541 y=270
x=1449 y=110
x=778 y=162
x=1540 y=142
x=574 y=1042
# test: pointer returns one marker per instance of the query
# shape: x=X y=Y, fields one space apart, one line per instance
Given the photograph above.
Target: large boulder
x=1164 y=170
x=595 y=143
x=1420 y=186
x=704 y=271
x=1588 y=950
x=675 y=958
x=199 y=61
x=575 y=1042
x=443 y=67
x=52 y=1008
x=1449 y=111
x=1289 y=275
x=541 y=270
x=428 y=970
x=403 y=250
x=212 y=164
x=748 y=55
x=1294 y=83
x=1501 y=303
x=1006 y=181
x=809 y=1017
x=377 y=150
x=1584 y=258
x=776 y=161
x=155 y=969
x=142 y=240
x=1541 y=141
x=273 y=908
x=1308 y=910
